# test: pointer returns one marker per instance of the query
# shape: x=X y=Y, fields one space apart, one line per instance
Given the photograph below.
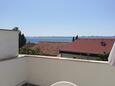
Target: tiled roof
x=50 y=48
x=90 y=46
x=30 y=45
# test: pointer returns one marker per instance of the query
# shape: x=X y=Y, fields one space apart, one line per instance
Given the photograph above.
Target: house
x=87 y=48
x=49 y=48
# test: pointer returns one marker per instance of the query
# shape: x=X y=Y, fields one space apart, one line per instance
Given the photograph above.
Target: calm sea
x=60 y=39
x=48 y=39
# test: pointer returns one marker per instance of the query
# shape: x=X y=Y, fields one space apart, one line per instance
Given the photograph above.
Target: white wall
x=8 y=44
x=13 y=72
x=46 y=71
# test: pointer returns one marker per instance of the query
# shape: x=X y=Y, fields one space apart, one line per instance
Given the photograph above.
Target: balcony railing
x=46 y=70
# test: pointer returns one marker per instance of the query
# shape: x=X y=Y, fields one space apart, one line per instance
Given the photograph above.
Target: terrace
x=16 y=70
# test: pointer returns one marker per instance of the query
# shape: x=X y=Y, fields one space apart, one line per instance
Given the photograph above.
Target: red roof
x=90 y=46
x=49 y=48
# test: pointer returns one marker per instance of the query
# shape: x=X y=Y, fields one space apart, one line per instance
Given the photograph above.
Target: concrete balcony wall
x=13 y=72
x=45 y=71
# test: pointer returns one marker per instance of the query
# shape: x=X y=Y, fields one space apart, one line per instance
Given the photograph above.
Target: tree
x=22 y=38
x=73 y=39
x=104 y=57
x=29 y=51
x=76 y=37
x=15 y=29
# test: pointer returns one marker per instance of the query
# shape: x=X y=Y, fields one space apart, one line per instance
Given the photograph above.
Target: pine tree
x=22 y=38
x=73 y=39
x=76 y=37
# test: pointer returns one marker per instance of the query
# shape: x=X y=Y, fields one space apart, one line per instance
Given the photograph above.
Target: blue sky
x=59 y=17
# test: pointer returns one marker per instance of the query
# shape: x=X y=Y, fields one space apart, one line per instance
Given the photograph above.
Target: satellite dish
x=63 y=83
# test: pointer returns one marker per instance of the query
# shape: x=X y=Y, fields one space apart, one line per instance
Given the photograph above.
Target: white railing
x=46 y=70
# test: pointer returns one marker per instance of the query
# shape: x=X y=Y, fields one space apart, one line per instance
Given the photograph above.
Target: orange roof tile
x=50 y=48
x=90 y=46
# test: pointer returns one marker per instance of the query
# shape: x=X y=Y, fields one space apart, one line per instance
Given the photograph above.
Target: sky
x=59 y=17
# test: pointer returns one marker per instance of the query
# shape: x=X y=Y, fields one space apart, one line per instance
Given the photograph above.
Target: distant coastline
x=48 y=39
x=37 y=39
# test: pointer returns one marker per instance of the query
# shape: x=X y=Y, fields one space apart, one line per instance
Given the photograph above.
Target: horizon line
x=74 y=36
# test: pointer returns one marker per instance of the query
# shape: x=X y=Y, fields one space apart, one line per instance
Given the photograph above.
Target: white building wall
x=8 y=44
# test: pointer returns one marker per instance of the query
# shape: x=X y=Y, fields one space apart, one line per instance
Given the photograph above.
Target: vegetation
x=104 y=57
x=22 y=38
x=74 y=38
x=98 y=57
x=29 y=51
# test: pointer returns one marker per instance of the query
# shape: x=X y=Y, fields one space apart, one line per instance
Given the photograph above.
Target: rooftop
x=50 y=48
x=90 y=46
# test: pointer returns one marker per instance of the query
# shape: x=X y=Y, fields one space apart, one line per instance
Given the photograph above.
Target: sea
x=48 y=39
x=60 y=39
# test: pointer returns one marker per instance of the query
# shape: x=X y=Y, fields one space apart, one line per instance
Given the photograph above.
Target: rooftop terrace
x=18 y=70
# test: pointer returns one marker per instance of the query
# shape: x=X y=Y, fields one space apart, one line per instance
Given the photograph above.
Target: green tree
x=76 y=37
x=29 y=51
x=22 y=38
x=73 y=39
x=104 y=57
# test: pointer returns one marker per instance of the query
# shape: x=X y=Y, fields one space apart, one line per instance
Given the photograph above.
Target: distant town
x=83 y=47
